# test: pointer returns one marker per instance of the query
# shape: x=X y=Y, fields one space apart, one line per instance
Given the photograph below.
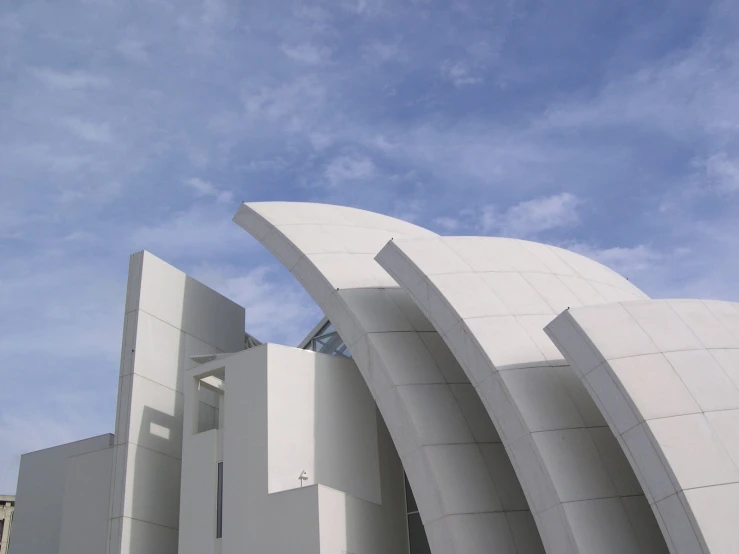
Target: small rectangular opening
x=209 y=395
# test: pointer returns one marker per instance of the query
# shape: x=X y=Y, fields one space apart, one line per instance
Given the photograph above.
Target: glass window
x=418 y=542
x=219 y=503
x=328 y=341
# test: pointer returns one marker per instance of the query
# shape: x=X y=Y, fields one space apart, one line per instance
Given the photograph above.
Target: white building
x=536 y=400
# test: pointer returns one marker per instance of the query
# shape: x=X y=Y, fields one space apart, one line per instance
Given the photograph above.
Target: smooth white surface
x=40 y=500
x=382 y=329
x=197 y=527
x=86 y=499
x=490 y=299
x=169 y=317
x=670 y=395
x=354 y=500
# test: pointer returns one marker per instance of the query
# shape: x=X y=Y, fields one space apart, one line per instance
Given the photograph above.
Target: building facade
x=7 y=508
x=463 y=395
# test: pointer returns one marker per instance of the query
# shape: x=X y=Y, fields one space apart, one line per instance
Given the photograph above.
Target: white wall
x=253 y=520
x=86 y=499
x=287 y=410
x=291 y=410
x=197 y=529
x=349 y=524
x=37 y=522
x=169 y=317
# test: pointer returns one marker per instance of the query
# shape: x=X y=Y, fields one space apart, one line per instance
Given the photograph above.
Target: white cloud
x=197 y=232
x=89 y=130
x=308 y=53
x=206 y=188
x=133 y=50
x=459 y=74
x=69 y=80
x=447 y=223
x=532 y=217
x=381 y=52
x=627 y=261
x=722 y=172
x=349 y=168
x=292 y=105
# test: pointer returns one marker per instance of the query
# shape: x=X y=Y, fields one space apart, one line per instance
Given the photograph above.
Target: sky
x=610 y=128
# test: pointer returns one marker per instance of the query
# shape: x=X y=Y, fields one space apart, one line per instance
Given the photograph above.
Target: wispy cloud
x=206 y=188
x=69 y=80
x=459 y=74
x=349 y=168
x=531 y=217
x=133 y=50
x=88 y=130
x=308 y=53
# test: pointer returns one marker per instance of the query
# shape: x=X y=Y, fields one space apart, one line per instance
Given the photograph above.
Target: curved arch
x=665 y=373
x=490 y=299
x=467 y=493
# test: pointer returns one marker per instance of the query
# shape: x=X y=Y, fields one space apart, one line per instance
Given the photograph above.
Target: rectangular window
x=219 y=505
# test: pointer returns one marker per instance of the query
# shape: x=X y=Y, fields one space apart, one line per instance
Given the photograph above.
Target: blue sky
x=607 y=127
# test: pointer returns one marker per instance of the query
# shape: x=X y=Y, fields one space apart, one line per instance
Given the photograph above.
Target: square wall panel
x=715 y=510
x=694 y=451
x=705 y=379
x=152 y=492
x=575 y=464
x=667 y=331
x=602 y=526
x=436 y=415
x=466 y=486
x=160 y=351
x=542 y=398
x=156 y=417
x=655 y=388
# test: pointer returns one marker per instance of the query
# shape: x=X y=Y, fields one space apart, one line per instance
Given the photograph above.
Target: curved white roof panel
x=467 y=493
x=665 y=373
x=490 y=299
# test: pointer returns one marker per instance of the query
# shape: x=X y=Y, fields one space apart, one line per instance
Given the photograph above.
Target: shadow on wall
x=155 y=487
x=356 y=458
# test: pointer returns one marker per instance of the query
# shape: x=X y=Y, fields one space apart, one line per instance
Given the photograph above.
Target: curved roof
x=465 y=488
x=490 y=299
x=665 y=373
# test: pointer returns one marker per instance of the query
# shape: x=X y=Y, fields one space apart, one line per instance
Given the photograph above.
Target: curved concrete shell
x=490 y=299
x=467 y=493
x=665 y=373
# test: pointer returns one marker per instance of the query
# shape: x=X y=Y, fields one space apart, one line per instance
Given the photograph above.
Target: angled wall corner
x=490 y=298
x=468 y=496
x=168 y=318
x=665 y=374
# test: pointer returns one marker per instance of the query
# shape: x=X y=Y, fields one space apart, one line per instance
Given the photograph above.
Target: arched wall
x=467 y=493
x=665 y=373
x=490 y=298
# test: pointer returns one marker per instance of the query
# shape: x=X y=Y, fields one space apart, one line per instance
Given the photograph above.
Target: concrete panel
x=545 y=416
x=37 y=522
x=362 y=300
x=197 y=528
x=169 y=316
x=86 y=499
x=673 y=375
x=358 y=504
